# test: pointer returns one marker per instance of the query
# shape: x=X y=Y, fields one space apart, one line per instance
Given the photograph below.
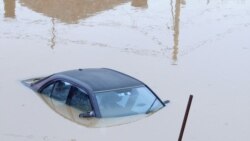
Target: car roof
x=101 y=79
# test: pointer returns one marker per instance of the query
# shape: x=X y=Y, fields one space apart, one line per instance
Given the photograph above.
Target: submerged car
x=100 y=92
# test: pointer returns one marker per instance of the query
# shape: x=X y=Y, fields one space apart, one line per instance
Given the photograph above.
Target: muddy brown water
x=177 y=47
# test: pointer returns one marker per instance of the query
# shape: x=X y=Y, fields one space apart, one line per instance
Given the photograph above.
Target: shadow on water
x=9 y=8
x=72 y=114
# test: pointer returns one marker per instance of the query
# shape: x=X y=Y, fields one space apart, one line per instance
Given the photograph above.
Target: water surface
x=177 y=47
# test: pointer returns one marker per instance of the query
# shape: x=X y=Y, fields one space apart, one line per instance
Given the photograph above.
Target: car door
x=55 y=95
x=66 y=99
x=79 y=100
x=59 y=97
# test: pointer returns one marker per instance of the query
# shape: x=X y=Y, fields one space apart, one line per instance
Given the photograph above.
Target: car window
x=124 y=102
x=48 y=90
x=79 y=100
x=61 y=91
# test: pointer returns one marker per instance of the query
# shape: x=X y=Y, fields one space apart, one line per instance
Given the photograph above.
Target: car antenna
x=185 y=117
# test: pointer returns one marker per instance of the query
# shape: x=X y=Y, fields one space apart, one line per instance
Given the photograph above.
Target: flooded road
x=177 y=47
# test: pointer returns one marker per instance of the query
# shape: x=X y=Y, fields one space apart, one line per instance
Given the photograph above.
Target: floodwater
x=177 y=47
x=72 y=114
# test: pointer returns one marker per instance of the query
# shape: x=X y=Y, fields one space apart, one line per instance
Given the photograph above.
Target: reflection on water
x=140 y=3
x=9 y=8
x=176 y=29
x=53 y=38
x=72 y=114
x=70 y=11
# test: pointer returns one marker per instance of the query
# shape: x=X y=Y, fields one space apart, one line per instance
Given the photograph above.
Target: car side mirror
x=87 y=115
x=166 y=102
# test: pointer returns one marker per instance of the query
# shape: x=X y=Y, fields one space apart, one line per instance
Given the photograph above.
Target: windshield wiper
x=148 y=111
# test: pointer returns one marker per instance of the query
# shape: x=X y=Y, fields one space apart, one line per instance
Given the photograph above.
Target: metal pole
x=185 y=117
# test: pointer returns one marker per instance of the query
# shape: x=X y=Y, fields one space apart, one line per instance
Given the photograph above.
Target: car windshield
x=128 y=101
